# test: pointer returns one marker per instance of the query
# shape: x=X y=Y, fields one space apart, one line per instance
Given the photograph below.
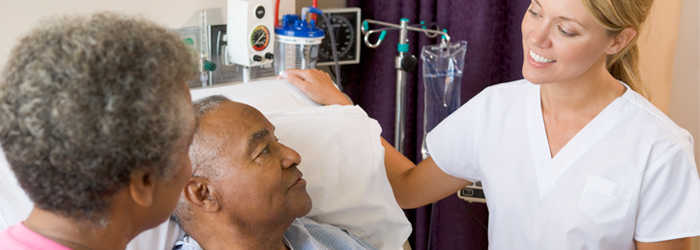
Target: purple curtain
x=494 y=55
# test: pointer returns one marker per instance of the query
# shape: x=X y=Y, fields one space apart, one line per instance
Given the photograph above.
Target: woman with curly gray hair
x=96 y=122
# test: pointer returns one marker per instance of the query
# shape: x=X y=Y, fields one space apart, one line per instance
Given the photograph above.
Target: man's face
x=258 y=180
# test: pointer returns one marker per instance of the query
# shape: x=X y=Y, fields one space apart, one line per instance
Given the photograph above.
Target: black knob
x=409 y=63
x=269 y=56
x=257 y=58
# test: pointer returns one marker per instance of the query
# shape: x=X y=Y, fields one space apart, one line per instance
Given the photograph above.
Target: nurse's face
x=562 y=42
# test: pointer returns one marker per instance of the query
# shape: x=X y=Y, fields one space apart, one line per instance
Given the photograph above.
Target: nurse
x=572 y=156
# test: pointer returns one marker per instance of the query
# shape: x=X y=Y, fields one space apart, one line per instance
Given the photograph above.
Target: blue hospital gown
x=305 y=234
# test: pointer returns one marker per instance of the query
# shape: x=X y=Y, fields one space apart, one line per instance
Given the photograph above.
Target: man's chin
x=303 y=206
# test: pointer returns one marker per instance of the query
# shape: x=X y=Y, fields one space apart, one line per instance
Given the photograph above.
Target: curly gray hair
x=87 y=100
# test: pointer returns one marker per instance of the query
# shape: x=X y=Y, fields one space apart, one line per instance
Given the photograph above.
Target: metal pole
x=400 y=115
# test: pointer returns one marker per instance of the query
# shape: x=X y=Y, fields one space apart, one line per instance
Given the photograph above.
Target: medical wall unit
x=254 y=44
x=252 y=22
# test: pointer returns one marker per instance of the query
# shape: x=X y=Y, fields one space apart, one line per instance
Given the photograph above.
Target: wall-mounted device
x=252 y=21
x=191 y=37
x=234 y=72
x=346 y=30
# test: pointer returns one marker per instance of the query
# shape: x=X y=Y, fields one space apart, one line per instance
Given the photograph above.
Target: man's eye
x=265 y=150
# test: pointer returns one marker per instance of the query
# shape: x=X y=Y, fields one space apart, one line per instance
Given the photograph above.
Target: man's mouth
x=298 y=181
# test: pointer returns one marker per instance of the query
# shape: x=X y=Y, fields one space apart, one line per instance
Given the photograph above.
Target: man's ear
x=622 y=40
x=142 y=187
x=200 y=193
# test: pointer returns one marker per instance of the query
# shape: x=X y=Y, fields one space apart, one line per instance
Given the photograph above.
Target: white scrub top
x=627 y=175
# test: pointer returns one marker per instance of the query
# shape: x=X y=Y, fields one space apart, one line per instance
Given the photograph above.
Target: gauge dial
x=260 y=38
x=344 y=34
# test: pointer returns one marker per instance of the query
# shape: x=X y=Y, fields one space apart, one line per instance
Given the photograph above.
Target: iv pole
x=403 y=63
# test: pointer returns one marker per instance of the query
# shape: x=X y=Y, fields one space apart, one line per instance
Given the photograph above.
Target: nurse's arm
x=677 y=244
x=416 y=186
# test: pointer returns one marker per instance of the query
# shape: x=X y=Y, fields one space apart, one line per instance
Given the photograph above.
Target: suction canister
x=296 y=43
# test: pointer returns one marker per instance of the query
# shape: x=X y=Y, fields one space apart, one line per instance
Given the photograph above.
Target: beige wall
x=657 y=46
x=684 y=106
x=17 y=16
x=681 y=98
x=685 y=94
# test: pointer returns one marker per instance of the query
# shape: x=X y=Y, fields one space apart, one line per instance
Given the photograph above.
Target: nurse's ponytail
x=615 y=16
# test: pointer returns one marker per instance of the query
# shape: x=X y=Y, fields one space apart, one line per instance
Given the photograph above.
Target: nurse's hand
x=317 y=85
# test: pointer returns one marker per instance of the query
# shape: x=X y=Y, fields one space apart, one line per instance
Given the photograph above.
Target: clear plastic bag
x=442 y=76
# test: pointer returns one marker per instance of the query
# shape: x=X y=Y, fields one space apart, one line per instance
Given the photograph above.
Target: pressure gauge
x=260 y=38
x=346 y=28
x=343 y=33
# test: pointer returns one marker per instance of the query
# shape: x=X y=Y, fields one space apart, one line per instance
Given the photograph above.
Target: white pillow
x=342 y=161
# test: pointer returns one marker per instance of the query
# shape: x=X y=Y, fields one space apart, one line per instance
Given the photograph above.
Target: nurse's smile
x=539 y=61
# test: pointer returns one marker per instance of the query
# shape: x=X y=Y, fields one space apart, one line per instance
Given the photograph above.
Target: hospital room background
x=670 y=60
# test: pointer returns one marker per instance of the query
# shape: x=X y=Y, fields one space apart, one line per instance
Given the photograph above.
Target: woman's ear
x=621 y=40
x=199 y=193
x=142 y=187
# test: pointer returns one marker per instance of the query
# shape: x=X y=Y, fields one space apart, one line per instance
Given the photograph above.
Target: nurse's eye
x=566 y=34
x=533 y=13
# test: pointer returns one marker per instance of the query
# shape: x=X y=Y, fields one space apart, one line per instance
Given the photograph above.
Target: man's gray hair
x=87 y=100
x=204 y=152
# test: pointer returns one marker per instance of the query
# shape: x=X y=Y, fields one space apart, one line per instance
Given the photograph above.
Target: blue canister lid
x=292 y=26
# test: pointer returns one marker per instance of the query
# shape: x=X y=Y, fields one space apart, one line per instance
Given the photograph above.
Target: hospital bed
x=342 y=161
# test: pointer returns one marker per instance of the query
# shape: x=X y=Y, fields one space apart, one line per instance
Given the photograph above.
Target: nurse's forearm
x=416 y=186
x=397 y=169
x=677 y=244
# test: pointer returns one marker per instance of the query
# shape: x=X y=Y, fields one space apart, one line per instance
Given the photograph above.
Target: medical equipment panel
x=251 y=21
x=230 y=73
x=346 y=28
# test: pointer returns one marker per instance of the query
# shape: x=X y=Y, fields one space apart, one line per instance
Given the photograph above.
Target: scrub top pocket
x=604 y=200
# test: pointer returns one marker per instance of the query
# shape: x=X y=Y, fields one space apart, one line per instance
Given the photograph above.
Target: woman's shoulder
x=511 y=86
x=507 y=91
x=654 y=122
x=654 y=127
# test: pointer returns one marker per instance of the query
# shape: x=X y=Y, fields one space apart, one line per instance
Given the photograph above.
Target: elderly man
x=96 y=122
x=246 y=191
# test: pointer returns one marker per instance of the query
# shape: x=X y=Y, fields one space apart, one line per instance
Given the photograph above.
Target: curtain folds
x=494 y=55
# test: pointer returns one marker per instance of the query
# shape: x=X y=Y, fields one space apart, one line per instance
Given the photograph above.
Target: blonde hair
x=614 y=16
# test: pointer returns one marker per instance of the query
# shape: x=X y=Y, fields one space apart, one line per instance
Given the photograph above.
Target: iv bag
x=442 y=76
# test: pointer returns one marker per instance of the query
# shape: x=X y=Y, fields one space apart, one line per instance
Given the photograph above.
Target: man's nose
x=290 y=157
